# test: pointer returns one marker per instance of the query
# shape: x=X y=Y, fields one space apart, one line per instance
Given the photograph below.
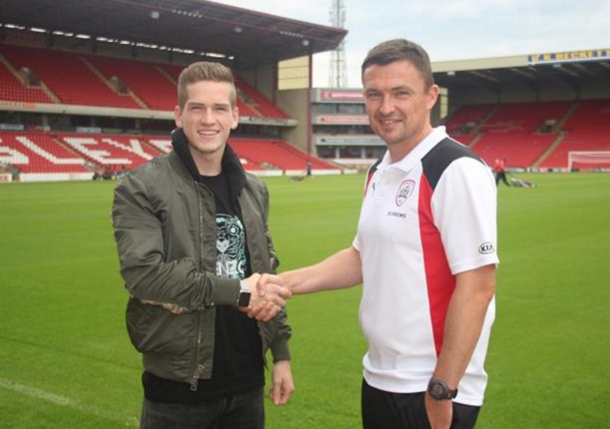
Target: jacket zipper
x=259 y=325
x=198 y=367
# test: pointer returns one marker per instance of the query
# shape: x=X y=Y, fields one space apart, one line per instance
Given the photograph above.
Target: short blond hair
x=205 y=71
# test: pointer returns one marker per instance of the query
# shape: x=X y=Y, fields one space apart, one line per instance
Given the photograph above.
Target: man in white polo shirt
x=425 y=252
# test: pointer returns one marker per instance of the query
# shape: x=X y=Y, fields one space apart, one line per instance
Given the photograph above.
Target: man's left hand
x=282 y=384
x=440 y=413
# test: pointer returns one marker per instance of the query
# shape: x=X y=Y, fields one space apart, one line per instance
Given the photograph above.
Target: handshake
x=268 y=296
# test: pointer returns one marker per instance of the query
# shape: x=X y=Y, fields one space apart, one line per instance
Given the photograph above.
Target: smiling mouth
x=207 y=133
x=388 y=122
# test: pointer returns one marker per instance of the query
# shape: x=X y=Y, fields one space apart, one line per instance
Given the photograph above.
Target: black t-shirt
x=238 y=360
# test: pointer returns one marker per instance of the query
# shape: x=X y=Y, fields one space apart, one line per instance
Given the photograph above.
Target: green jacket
x=165 y=230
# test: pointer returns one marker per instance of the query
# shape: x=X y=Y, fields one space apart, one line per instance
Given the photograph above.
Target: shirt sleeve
x=464 y=206
x=356 y=241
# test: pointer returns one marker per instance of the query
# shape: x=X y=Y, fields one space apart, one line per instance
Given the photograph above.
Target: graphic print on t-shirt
x=231 y=262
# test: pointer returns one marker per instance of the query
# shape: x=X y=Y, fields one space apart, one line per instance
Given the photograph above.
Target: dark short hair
x=204 y=71
x=400 y=50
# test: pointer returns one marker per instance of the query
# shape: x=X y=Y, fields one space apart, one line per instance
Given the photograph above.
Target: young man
x=425 y=253
x=191 y=230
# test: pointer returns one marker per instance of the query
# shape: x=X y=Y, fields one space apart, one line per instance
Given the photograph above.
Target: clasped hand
x=268 y=297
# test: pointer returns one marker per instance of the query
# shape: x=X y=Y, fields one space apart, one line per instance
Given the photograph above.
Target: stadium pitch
x=66 y=361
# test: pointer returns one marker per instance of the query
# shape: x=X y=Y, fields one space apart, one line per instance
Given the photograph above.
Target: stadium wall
x=262 y=78
x=597 y=89
x=294 y=103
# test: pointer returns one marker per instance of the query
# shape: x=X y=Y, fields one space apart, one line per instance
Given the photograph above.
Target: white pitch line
x=67 y=402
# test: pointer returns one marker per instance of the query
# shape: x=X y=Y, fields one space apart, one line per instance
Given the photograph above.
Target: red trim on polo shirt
x=439 y=280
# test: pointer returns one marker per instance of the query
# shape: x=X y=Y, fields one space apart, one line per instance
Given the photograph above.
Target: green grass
x=66 y=361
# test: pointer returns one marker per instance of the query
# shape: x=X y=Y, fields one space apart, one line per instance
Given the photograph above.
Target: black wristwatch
x=439 y=389
x=243 y=299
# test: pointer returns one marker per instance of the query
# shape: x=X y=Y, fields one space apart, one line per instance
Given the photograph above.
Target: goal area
x=588 y=160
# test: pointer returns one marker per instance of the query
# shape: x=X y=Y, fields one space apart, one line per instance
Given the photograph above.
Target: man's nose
x=207 y=117
x=387 y=106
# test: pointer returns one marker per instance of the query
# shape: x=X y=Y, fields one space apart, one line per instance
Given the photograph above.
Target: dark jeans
x=242 y=411
x=387 y=410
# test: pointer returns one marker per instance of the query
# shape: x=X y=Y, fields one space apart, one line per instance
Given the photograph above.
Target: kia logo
x=486 y=248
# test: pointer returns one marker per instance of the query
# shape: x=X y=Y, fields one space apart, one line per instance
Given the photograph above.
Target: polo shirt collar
x=437 y=135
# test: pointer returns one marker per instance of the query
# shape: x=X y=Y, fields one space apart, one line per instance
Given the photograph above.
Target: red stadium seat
x=144 y=79
x=37 y=152
x=588 y=130
x=11 y=89
x=67 y=76
x=111 y=151
x=277 y=154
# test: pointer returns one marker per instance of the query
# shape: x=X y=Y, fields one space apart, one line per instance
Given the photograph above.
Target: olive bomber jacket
x=165 y=230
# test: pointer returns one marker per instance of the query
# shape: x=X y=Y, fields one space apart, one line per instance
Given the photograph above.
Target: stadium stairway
x=14 y=87
x=475 y=114
x=560 y=124
x=582 y=140
x=142 y=78
x=264 y=106
x=586 y=130
x=549 y=150
x=167 y=76
x=103 y=78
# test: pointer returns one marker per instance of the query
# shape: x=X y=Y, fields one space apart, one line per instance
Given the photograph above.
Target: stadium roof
x=252 y=38
x=561 y=68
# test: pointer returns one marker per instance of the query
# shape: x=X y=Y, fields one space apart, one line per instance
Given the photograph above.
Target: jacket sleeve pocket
x=154 y=329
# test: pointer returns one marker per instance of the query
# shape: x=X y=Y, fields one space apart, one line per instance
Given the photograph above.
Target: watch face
x=244 y=299
x=437 y=390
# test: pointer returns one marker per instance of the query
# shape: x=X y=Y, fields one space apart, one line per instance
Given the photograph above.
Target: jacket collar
x=230 y=163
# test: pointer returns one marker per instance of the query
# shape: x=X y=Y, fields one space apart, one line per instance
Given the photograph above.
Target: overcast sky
x=452 y=29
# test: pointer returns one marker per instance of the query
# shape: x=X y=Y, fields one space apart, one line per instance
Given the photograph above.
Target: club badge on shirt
x=404 y=191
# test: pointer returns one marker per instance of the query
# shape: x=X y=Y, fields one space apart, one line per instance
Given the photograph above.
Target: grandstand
x=535 y=135
x=79 y=93
x=531 y=110
x=71 y=156
x=66 y=79
x=94 y=88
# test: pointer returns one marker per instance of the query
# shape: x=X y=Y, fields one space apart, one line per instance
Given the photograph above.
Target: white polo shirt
x=424 y=219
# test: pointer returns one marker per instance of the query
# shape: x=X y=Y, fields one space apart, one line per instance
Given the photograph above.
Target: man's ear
x=178 y=116
x=433 y=93
x=235 y=115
